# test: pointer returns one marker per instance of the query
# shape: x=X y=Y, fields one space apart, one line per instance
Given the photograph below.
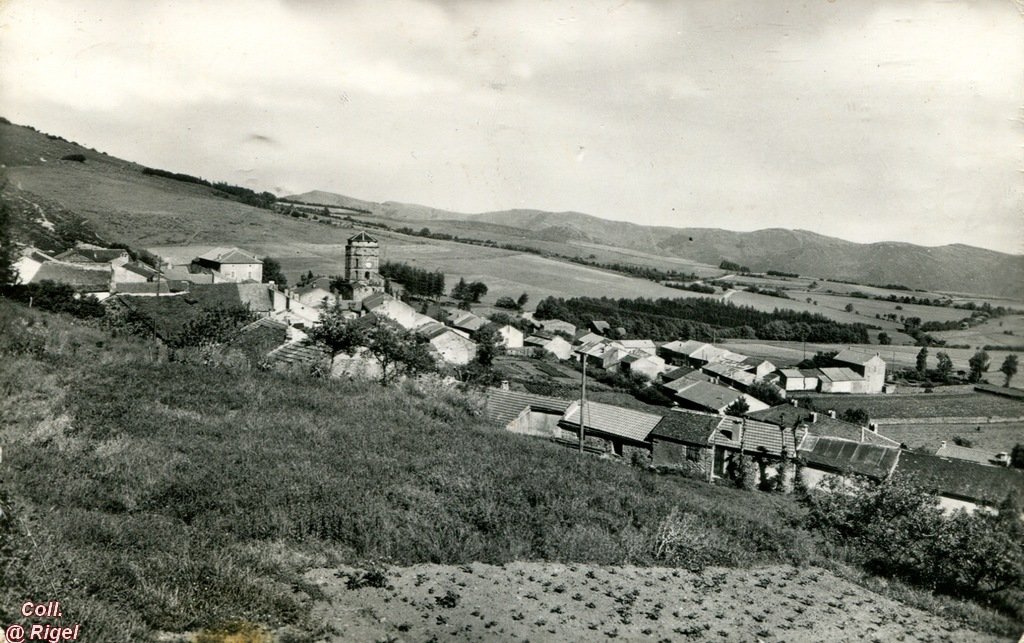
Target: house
x=645 y=346
x=678 y=352
x=134 y=272
x=466 y=321
x=841 y=380
x=648 y=366
x=316 y=293
x=683 y=440
x=525 y=413
x=592 y=352
x=610 y=429
x=557 y=346
x=600 y=327
x=89 y=253
x=730 y=373
x=828 y=456
x=961 y=484
x=397 y=311
x=262 y=336
x=822 y=425
x=713 y=398
x=697 y=353
x=236 y=265
x=870 y=367
x=979 y=456
x=589 y=338
x=767 y=442
x=451 y=345
x=557 y=326
x=792 y=379
x=761 y=368
x=86 y=278
x=511 y=337
x=28 y=262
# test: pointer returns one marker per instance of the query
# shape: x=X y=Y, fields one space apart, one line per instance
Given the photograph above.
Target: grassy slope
x=165 y=496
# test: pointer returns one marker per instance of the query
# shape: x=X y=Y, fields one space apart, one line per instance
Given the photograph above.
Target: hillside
x=950 y=268
x=214 y=491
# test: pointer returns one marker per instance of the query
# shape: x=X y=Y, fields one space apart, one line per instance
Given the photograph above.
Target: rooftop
x=613 y=420
x=229 y=255
x=850 y=356
x=960 y=478
x=688 y=426
x=505 y=406
x=84 y=277
x=980 y=456
x=362 y=237
x=708 y=395
x=841 y=456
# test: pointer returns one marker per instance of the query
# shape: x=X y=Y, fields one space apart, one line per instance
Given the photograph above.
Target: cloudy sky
x=865 y=120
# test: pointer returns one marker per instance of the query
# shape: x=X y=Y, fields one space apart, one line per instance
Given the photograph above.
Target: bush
x=80 y=158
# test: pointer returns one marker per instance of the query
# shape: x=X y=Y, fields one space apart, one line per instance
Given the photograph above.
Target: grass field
x=923 y=405
x=993 y=437
x=991 y=333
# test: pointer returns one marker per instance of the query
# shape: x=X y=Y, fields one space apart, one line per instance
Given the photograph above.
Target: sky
x=866 y=120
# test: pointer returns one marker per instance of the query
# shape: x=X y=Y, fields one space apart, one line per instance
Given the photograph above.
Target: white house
x=511 y=337
x=237 y=265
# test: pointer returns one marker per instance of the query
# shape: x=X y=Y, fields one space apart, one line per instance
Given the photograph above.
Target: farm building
x=236 y=265
x=683 y=440
x=453 y=346
x=89 y=253
x=93 y=279
x=397 y=311
x=526 y=413
x=557 y=345
x=980 y=456
x=315 y=294
x=767 y=442
x=511 y=337
x=557 y=326
x=869 y=367
x=713 y=398
x=761 y=368
x=841 y=380
x=730 y=374
x=961 y=484
x=466 y=321
x=645 y=346
x=648 y=366
x=600 y=327
x=822 y=425
x=792 y=379
x=610 y=429
x=829 y=456
x=697 y=354
x=134 y=272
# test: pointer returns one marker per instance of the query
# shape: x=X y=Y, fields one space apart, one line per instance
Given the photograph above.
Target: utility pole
x=583 y=398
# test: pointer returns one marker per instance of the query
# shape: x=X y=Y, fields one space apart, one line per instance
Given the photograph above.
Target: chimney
x=504 y=385
x=832 y=413
x=1003 y=458
x=873 y=426
x=814 y=417
x=942 y=445
x=795 y=402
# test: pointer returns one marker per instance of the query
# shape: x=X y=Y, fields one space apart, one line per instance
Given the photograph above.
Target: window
x=367 y=274
x=693 y=453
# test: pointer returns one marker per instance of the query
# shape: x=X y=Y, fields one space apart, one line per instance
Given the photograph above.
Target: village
x=722 y=415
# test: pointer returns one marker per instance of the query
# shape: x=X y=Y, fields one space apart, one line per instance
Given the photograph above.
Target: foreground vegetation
x=151 y=495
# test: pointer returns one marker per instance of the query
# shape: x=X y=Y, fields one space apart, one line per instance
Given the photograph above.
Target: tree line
x=264 y=200
x=705 y=319
x=417 y=281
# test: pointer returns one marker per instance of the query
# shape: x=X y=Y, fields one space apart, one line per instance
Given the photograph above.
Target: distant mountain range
x=950 y=268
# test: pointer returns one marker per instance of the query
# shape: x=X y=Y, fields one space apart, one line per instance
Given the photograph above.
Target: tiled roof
x=229 y=255
x=730 y=372
x=645 y=345
x=684 y=348
x=152 y=287
x=613 y=420
x=708 y=395
x=849 y=356
x=469 y=321
x=841 y=374
x=362 y=237
x=759 y=437
x=960 y=478
x=375 y=300
x=980 y=456
x=505 y=406
x=792 y=373
x=600 y=326
x=790 y=416
x=83 y=277
x=93 y=254
x=590 y=338
x=688 y=426
x=303 y=352
x=140 y=268
x=841 y=456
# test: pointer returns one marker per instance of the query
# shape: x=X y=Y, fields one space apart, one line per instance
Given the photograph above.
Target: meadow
x=155 y=497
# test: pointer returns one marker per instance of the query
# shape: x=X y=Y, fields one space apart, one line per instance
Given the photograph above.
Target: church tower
x=362 y=268
x=362 y=259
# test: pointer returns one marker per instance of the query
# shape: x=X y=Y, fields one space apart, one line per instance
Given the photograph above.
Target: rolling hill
x=951 y=268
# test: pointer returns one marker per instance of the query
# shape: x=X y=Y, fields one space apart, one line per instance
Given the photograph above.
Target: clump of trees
x=896 y=528
x=272 y=272
x=732 y=266
x=417 y=281
x=767 y=393
x=469 y=292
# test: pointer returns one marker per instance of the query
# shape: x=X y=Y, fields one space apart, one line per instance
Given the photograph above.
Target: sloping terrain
x=950 y=268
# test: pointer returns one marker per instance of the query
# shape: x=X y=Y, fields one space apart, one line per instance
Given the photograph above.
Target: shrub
x=80 y=158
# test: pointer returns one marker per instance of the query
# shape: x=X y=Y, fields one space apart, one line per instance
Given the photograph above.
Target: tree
x=848 y=308
x=739 y=407
x=398 y=352
x=469 y=292
x=767 y=393
x=884 y=339
x=507 y=303
x=272 y=272
x=487 y=341
x=979 y=364
x=523 y=298
x=945 y=367
x=8 y=271
x=1017 y=456
x=922 y=362
x=857 y=416
x=337 y=333
x=1009 y=368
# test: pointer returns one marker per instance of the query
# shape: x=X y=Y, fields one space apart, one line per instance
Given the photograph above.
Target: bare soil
x=554 y=602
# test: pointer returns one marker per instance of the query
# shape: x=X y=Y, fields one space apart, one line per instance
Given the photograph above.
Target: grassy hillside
x=152 y=496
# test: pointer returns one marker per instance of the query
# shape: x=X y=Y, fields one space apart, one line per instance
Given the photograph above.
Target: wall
x=673 y=455
x=242 y=271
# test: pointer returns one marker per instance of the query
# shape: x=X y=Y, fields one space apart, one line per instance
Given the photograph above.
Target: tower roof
x=362 y=237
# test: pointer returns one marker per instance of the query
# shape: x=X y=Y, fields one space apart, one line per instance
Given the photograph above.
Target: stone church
x=362 y=268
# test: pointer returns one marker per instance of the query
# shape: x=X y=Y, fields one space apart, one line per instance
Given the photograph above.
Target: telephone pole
x=583 y=398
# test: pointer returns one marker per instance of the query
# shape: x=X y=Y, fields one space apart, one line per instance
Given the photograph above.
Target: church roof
x=362 y=237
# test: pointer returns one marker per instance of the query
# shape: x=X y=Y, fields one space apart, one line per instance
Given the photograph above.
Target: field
x=923 y=406
x=213 y=492
x=991 y=333
x=790 y=353
x=993 y=437
x=537 y=601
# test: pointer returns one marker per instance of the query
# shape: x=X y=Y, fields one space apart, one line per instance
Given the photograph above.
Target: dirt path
x=550 y=602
